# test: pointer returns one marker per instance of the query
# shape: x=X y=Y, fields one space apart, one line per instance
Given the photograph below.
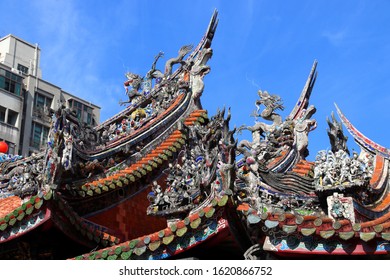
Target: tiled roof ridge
x=385 y=203
x=278 y=159
x=8 y=204
x=23 y=212
x=378 y=170
x=378 y=185
x=34 y=203
x=303 y=167
x=323 y=226
x=91 y=232
x=155 y=90
x=143 y=128
x=144 y=165
x=137 y=247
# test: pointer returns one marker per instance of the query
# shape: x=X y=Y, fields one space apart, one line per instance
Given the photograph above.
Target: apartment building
x=25 y=98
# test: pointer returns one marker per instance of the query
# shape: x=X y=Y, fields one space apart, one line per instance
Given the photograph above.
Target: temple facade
x=163 y=179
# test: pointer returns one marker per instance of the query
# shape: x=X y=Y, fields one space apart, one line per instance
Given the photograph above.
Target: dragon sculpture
x=165 y=155
x=338 y=140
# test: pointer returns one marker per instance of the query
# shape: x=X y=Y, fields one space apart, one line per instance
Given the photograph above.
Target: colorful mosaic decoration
x=163 y=179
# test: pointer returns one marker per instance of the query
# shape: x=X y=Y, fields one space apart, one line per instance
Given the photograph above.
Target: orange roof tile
x=379 y=161
x=8 y=204
x=377 y=221
x=174 y=137
x=384 y=203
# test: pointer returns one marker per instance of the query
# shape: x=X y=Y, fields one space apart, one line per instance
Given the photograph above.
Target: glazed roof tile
x=323 y=226
x=303 y=167
x=87 y=230
x=379 y=162
x=140 y=168
x=17 y=214
x=136 y=248
x=147 y=126
x=385 y=203
x=13 y=210
x=8 y=204
x=283 y=154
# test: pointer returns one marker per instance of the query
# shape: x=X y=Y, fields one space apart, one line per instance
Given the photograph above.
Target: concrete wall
x=10 y=132
x=16 y=51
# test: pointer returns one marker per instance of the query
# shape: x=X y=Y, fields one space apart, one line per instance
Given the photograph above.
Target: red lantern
x=3 y=147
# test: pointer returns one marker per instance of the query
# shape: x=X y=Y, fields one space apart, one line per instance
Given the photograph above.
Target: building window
x=2 y=114
x=83 y=112
x=12 y=117
x=10 y=82
x=42 y=104
x=41 y=101
x=23 y=69
x=39 y=134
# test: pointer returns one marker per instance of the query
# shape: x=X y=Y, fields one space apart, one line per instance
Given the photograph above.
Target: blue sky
x=87 y=46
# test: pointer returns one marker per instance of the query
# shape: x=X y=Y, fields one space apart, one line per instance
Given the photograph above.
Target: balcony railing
x=41 y=113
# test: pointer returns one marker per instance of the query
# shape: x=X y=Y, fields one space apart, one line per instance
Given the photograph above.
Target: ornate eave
x=177 y=238
x=162 y=176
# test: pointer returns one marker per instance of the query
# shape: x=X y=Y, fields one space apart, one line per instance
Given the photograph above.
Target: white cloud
x=336 y=38
x=76 y=47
